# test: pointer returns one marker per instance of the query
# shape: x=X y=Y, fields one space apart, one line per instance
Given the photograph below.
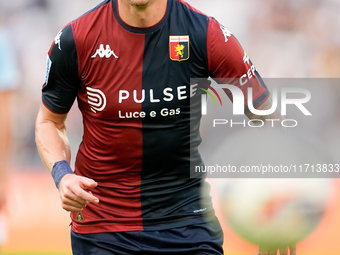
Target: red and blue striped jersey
x=133 y=90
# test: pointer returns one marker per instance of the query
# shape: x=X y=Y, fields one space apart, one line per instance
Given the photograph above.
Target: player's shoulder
x=66 y=34
x=63 y=42
x=95 y=10
x=193 y=18
x=191 y=9
x=90 y=20
x=90 y=24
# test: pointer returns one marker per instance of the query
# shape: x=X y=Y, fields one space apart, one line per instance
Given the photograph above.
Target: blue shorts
x=199 y=239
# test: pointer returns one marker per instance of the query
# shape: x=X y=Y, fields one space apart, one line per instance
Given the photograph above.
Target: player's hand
x=75 y=192
x=283 y=251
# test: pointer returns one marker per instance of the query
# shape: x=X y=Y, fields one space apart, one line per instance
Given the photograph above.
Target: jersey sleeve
x=229 y=64
x=62 y=80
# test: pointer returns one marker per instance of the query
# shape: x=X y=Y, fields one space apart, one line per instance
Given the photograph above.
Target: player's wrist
x=59 y=170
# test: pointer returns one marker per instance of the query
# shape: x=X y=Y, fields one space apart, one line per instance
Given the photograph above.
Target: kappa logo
x=226 y=33
x=107 y=52
x=57 y=39
x=246 y=59
x=96 y=99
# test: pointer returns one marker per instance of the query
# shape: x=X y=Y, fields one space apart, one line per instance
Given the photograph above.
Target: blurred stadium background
x=285 y=39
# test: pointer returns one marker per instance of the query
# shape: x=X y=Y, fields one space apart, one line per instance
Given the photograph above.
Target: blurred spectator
x=296 y=39
x=8 y=82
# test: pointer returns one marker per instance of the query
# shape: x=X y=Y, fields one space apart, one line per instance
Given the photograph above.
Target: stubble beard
x=139 y=3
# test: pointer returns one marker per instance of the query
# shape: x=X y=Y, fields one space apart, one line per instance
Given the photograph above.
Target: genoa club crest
x=179 y=47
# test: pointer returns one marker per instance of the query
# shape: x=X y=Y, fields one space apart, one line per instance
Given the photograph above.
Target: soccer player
x=129 y=64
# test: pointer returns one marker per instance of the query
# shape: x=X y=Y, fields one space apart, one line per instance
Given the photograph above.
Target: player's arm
x=58 y=94
x=51 y=138
x=229 y=64
x=54 y=150
x=266 y=105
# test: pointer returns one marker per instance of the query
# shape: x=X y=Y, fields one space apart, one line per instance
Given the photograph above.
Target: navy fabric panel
x=167 y=192
x=206 y=238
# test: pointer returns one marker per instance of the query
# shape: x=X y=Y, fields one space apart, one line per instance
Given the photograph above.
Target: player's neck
x=142 y=15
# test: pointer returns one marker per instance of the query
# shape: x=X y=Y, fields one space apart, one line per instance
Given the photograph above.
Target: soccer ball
x=275 y=209
x=275 y=213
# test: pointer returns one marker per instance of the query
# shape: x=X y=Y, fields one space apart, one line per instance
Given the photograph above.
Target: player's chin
x=139 y=3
